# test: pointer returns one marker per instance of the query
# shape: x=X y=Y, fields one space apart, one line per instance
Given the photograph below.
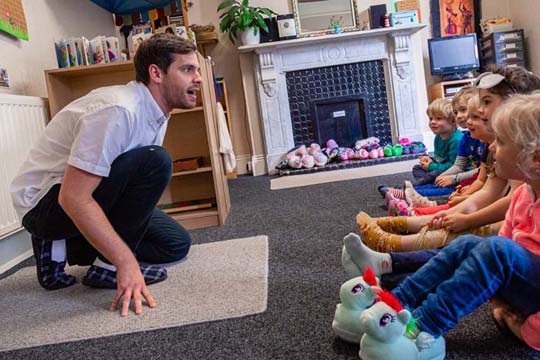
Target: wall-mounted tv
x=454 y=54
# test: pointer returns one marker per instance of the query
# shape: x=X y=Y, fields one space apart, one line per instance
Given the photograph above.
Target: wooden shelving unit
x=190 y=133
x=447 y=89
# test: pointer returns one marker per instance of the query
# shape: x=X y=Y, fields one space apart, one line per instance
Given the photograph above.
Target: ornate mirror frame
x=303 y=33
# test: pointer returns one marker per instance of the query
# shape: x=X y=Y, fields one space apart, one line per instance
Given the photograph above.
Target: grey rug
x=219 y=280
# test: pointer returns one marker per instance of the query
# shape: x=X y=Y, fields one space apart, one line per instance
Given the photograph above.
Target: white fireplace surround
x=391 y=45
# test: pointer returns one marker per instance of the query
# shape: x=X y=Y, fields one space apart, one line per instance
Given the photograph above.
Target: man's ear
x=155 y=73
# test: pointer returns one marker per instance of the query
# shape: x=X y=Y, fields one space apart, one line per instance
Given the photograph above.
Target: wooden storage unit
x=203 y=193
x=447 y=89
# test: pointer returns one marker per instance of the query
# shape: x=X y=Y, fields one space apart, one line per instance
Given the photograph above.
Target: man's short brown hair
x=159 y=50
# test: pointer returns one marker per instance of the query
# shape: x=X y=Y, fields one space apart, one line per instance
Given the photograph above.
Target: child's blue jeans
x=467 y=273
x=432 y=190
x=128 y=197
x=422 y=177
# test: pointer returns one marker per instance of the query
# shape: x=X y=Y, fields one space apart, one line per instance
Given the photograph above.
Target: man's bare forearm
x=96 y=228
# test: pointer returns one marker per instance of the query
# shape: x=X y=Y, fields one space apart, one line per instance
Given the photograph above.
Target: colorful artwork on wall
x=12 y=18
x=455 y=17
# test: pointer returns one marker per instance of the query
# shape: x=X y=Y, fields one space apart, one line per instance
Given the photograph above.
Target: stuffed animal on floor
x=385 y=325
x=319 y=158
x=356 y=295
x=367 y=144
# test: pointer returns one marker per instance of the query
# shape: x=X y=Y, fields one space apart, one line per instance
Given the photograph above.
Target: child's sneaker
x=50 y=273
x=398 y=207
x=414 y=198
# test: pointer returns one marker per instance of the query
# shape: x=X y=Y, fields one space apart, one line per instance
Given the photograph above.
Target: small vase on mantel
x=248 y=37
x=337 y=29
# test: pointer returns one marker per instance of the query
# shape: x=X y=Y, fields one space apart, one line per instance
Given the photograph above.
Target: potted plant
x=240 y=19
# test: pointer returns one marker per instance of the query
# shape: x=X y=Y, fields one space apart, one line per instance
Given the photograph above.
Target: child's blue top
x=445 y=151
x=471 y=148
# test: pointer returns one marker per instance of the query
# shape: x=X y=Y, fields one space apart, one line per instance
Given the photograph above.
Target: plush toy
x=308 y=161
x=346 y=154
x=388 y=150
x=356 y=295
x=319 y=157
x=367 y=144
x=361 y=154
x=385 y=325
x=331 y=150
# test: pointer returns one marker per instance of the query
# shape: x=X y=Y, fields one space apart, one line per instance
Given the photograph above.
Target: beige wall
x=524 y=15
x=228 y=65
x=47 y=20
x=53 y=19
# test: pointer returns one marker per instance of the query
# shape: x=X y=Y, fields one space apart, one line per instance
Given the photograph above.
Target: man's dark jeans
x=128 y=197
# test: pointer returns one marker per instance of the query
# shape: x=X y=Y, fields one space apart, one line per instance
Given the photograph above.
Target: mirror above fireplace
x=314 y=16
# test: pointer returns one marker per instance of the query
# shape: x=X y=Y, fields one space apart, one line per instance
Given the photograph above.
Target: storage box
x=405 y=5
x=187 y=164
x=404 y=18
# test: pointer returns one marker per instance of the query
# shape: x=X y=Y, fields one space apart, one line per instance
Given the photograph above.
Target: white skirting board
x=291 y=181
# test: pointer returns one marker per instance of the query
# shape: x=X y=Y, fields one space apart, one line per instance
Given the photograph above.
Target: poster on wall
x=457 y=17
x=12 y=18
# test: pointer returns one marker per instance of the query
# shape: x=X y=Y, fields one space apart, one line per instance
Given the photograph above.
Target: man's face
x=182 y=81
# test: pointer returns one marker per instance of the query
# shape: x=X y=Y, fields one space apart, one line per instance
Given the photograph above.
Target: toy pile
x=307 y=157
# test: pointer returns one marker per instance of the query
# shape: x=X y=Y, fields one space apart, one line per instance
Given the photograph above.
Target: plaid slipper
x=106 y=279
x=50 y=274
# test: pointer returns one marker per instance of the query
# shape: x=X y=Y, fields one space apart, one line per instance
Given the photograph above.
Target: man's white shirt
x=89 y=134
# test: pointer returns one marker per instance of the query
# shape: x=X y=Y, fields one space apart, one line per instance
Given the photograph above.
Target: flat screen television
x=454 y=55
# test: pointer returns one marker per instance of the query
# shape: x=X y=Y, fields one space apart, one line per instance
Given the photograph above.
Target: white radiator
x=22 y=120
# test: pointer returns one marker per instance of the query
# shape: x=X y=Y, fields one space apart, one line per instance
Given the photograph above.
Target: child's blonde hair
x=463 y=95
x=518 y=121
x=473 y=104
x=441 y=108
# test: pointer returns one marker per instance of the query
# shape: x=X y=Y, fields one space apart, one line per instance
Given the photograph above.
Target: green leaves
x=240 y=16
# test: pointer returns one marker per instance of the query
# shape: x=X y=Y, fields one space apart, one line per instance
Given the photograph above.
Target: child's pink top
x=519 y=226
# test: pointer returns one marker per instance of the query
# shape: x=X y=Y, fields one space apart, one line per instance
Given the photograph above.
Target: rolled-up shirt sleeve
x=102 y=136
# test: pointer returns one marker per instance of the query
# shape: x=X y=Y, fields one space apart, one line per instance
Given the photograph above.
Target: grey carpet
x=219 y=280
x=305 y=227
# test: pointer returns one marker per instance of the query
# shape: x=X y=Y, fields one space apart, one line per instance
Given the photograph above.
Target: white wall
x=26 y=61
x=47 y=20
x=524 y=15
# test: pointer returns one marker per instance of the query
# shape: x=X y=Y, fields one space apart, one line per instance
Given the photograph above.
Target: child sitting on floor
x=415 y=204
x=470 y=149
x=482 y=212
x=442 y=123
x=465 y=168
x=472 y=269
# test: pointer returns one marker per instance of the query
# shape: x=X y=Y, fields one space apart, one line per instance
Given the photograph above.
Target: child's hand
x=462 y=189
x=457 y=199
x=507 y=318
x=437 y=220
x=444 y=180
x=456 y=222
x=425 y=161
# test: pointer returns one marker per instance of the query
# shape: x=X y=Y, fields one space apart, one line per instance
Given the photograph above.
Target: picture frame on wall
x=12 y=19
x=455 y=17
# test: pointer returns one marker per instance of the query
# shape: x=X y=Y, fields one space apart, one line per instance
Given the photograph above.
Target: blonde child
x=416 y=204
x=442 y=124
x=470 y=150
x=472 y=269
x=482 y=212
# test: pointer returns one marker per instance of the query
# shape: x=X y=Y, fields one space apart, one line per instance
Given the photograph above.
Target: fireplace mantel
x=391 y=45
